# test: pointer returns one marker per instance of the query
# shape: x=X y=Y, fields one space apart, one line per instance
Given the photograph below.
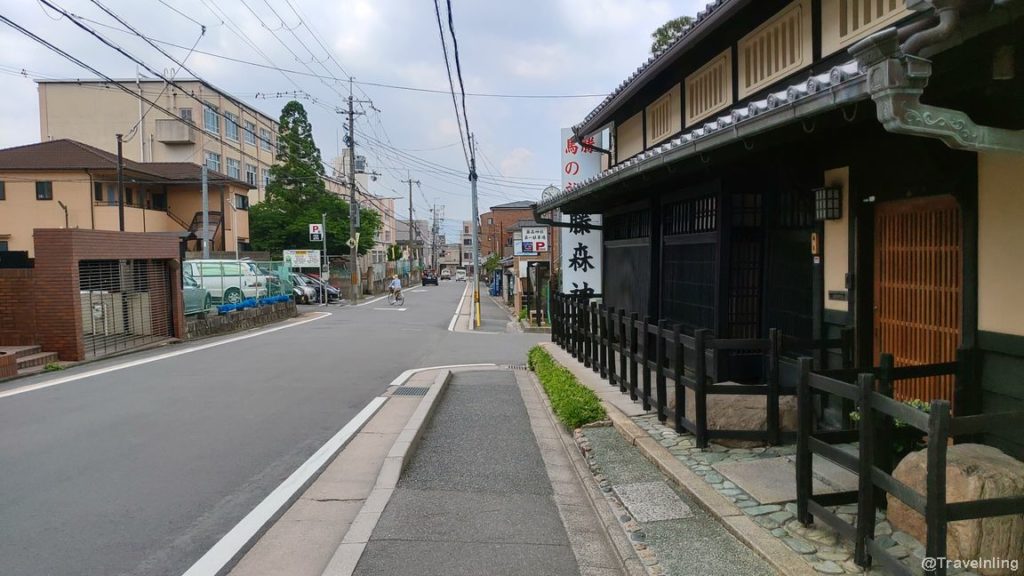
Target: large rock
x=740 y=412
x=973 y=472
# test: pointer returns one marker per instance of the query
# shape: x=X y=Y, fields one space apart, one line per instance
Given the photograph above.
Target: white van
x=228 y=281
x=460 y=275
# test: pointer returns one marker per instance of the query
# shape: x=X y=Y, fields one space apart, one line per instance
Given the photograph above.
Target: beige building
x=208 y=125
x=67 y=184
x=337 y=183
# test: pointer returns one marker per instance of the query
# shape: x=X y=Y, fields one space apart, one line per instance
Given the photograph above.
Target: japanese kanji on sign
x=581 y=244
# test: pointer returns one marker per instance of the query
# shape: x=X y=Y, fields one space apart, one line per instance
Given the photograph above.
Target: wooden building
x=812 y=165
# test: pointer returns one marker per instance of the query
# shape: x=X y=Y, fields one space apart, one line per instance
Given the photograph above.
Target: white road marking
x=371 y=301
x=458 y=310
x=420 y=290
x=141 y=361
x=393 y=308
x=231 y=546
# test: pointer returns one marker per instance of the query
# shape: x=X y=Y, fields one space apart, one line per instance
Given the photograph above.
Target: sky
x=522 y=48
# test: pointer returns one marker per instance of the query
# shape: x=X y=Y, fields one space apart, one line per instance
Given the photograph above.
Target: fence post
x=596 y=349
x=570 y=327
x=846 y=336
x=699 y=396
x=884 y=458
x=555 y=319
x=633 y=350
x=645 y=398
x=962 y=382
x=659 y=376
x=772 y=400
x=935 y=496
x=865 y=463
x=609 y=332
x=677 y=377
x=623 y=350
x=805 y=422
x=587 y=340
x=579 y=330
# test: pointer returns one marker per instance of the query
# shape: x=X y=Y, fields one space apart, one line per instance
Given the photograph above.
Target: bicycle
x=396 y=296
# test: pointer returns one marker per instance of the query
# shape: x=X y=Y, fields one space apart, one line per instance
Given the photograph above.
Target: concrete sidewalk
x=494 y=319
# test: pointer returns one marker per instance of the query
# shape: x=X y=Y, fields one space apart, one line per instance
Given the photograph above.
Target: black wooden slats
x=873 y=394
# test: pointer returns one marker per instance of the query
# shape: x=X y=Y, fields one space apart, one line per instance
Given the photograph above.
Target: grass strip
x=574 y=404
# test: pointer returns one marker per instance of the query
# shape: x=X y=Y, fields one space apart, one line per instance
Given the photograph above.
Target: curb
x=621 y=546
x=348 y=553
x=779 y=556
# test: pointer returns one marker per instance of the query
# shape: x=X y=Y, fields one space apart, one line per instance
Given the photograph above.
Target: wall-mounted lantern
x=828 y=203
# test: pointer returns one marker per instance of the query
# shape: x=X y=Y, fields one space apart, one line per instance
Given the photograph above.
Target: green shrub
x=52 y=367
x=524 y=313
x=574 y=404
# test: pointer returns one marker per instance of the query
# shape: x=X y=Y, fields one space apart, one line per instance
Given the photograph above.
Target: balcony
x=174 y=131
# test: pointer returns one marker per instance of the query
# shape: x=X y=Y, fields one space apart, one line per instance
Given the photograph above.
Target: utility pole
x=325 y=274
x=353 y=208
x=120 y=181
x=206 y=213
x=410 y=181
x=476 y=233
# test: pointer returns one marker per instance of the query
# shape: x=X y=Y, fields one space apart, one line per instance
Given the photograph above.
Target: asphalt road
x=141 y=470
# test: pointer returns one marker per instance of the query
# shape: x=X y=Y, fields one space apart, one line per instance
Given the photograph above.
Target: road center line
x=141 y=361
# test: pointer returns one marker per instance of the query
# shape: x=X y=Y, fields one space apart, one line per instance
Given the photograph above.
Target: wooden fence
x=641 y=357
x=878 y=410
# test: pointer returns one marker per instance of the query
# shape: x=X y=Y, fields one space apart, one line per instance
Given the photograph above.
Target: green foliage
x=492 y=263
x=394 y=253
x=52 y=367
x=524 y=312
x=905 y=438
x=666 y=34
x=573 y=403
x=297 y=196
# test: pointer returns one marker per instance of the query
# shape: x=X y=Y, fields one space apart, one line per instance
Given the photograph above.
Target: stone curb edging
x=772 y=550
x=348 y=553
x=621 y=546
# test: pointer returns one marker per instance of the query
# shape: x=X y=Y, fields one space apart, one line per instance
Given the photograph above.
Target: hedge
x=574 y=404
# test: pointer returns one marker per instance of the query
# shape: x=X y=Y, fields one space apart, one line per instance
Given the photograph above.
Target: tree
x=492 y=263
x=665 y=35
x=297 y=196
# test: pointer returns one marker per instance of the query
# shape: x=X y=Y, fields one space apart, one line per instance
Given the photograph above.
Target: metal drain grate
x=522 y=367
x=410 y=391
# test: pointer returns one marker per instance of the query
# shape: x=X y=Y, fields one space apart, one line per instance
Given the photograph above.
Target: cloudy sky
x=523 y=47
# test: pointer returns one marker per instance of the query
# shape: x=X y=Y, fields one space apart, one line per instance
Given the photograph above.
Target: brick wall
x=17 y=307
x=58 y=326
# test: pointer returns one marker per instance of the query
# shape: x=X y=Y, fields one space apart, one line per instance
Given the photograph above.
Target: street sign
x=520 y=248
x=302 y=258
x=351 y=242
x=538 y=235
x=316 y=232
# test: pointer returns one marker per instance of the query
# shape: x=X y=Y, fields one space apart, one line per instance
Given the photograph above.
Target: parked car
x=446 y=274
x=460 y=275
x=197 y=299
x=306 y=291
x=429 y=278
x=333 y=294
x=228 y=281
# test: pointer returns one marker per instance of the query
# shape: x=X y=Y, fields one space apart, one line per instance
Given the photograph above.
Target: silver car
x=197 y=299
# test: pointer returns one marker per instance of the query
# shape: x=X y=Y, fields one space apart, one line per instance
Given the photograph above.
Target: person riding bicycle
x=395 y=286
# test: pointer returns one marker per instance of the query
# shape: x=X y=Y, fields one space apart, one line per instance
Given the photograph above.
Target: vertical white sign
x=581 y=248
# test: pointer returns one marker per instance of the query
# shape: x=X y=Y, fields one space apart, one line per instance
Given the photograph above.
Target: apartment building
x=68 y=184
x=495 y=233
x=207 y=126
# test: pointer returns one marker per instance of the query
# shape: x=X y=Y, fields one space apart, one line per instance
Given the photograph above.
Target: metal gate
x=918 y=279
x=125 y=304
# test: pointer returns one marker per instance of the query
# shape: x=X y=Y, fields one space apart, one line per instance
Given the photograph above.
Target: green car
x=197 y=299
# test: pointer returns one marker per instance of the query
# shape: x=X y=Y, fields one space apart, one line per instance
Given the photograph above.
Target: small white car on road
x=460 y=275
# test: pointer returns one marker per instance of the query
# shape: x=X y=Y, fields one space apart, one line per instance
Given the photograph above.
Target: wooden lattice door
x=918 y=287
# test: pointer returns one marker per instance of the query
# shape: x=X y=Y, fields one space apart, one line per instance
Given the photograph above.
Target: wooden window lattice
x=693 y=216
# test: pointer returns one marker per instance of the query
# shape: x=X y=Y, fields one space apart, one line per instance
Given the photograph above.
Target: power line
x=451 y=83
x=458 y=65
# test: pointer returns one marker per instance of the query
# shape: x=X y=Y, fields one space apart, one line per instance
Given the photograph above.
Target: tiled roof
x=817 y=85
x=514 y=205
x=66 y=154
x=668 y=53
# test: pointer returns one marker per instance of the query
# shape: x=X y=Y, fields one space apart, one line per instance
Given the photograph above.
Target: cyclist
x=395 y=287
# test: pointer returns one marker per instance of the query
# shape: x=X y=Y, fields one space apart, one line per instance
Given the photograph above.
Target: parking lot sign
x=316 y=232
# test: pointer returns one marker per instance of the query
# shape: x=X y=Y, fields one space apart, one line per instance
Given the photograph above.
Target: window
x=44 y=190
x=213 y=161
x=776 y=49
x=3 y=191
x=387 y=235
x=3 y=245
x=185 y=114
x=266 y=177
x=209 y=269
x=232 y=269
x=158 y=201
x=467 y=241
x=709 y=89
x=467 y=256
x=241 y=201
x=490 y=221
x=129 y=197
x=843 y=22
x=211 y=120
x=250 y=174
x=250 y=133
x=265 y=139
x=231 y=126
x=234 y=168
